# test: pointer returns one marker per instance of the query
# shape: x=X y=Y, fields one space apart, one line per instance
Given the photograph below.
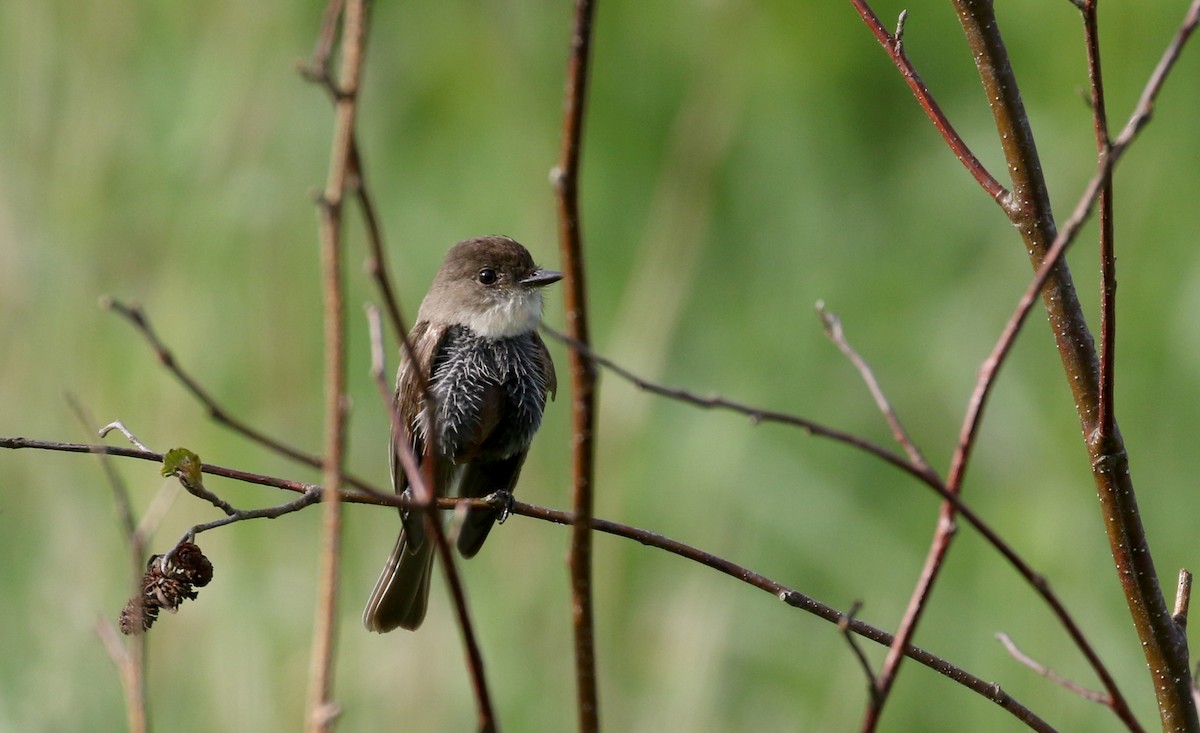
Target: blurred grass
x=743 y=160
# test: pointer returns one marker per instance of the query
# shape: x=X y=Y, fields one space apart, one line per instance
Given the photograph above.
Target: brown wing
x=426 y=339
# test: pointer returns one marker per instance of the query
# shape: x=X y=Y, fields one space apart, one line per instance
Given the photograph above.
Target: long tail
x=402 y=592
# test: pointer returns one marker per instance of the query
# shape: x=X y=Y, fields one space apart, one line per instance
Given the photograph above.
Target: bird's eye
x=487 y=276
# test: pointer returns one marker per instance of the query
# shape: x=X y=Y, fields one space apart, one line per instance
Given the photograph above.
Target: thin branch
x=859 y=654
x=833 y=329
x=1039 y=583
x=304 y=501
x=130 y=664
x=1031 y=215
x=648 y=538
x=376 y=264
x=138 y=318
x=319 y=67
x=120 y=428
x=433 y=527
x=1127 y=536
x=934 y=561
x=565 y=178
x=796 y=599
x=756 y=414
x=894 y=46
x=125 y=514
x=1043 y=670
x=321 y=708
x=1145 y=106
x=130 y=660
x=140 y=321
x=1105 y=418
x=1183 y=599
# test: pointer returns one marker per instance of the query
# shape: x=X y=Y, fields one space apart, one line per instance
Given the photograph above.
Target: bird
x=475 y=386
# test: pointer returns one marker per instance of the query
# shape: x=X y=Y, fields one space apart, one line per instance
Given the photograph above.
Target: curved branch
x=792 y=597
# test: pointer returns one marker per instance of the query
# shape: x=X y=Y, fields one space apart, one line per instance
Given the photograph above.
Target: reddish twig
x=418 y=480
x=893 y=44
x=796 y=599
x=376 y=265
x=1105 y=418
x=1029 y=209
x=934 y=561
x=565 y=178
x=1128 y=532
x=1050 y=674
x=1039 y=583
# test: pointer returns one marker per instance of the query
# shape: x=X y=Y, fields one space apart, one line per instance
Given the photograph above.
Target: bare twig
x=833 y=329
x=859 y=654
x=990 y=690
x=239 y=515
x=322 y=709
x=565 y=178
x=1105 y=417
x=928 y=477
x=934 y=561
x=1183 y=599
x=130 y=660
x=1145 y=105
x=1126 y=535
x=376 y=265
x=318 y=69
x=1030 y=211
x=894 y=46
x=433 y=527
x=120 y=427
x=792 y=597
x=138 y=318
x=1050 y=674
x=130 y=664
x=195 y=486
x=756 y=414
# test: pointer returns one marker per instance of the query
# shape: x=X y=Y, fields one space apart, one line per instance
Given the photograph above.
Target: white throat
x=509 y=315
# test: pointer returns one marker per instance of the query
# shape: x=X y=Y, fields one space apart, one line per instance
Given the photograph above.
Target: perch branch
x=792 y=597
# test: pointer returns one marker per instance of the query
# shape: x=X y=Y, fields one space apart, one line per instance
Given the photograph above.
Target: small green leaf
x=183 y=462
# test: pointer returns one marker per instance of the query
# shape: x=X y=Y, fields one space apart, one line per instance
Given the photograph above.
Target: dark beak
x=540 y=278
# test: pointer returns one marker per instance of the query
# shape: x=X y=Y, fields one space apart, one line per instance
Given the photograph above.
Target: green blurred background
x=743 y=160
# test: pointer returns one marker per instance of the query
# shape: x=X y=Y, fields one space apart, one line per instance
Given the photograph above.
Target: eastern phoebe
x=489 y=373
